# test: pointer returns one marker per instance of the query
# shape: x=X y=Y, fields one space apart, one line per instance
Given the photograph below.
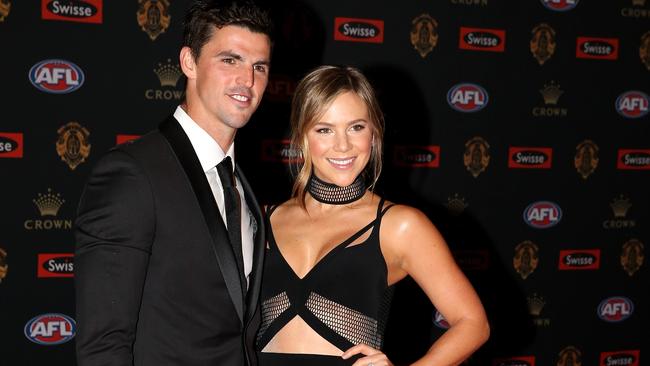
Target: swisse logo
x=633 y=159
x=280 y=151
x=121 y=138
x=472 y=260
x=482 y=39
x=467 y=97
x=11 y=145
x=632 y=104
x=530 y=157
x=83 y=11
x=359 y=30
x=440 y=321
x=620 y=358
x=55 y=265
x=542 y=214
x=597 y=48
x=56 y=76
x=515 y=361
x=579 y=259
x=560 y=5
x=417 y=156
x=50 y=329
x=615 y=309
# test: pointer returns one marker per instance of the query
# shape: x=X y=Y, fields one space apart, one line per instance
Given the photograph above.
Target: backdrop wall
x=520 y=127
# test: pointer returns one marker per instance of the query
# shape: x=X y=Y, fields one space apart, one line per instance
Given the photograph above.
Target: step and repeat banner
x=520 y=128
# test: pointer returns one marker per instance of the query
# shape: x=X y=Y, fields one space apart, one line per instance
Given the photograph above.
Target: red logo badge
x=579 y=259
x=482 y=39
x=633 y=159
x=597 y=48
x=82 y=11
x=55 y=265
x=530 y=157
x=417 y=156
x=11 y=145
x=359 y=30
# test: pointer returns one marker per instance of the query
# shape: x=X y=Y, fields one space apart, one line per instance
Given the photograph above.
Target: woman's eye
x=358 y=127
x=323 y=130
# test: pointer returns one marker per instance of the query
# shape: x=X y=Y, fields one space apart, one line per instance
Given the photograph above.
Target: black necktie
x=233 y=213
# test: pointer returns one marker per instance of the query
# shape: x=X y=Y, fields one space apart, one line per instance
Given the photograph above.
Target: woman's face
x=340 y=141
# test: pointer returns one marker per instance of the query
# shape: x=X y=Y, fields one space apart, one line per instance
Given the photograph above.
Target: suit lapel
x=187 y=158
x=259 y=240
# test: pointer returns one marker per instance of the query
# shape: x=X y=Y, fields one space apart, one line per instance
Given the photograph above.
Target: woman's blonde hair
x=313 y=95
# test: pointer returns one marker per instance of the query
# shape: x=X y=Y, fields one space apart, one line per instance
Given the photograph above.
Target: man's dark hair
x=204 y=16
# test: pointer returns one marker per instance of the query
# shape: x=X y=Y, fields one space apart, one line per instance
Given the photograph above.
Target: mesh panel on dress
x=348 y=323
x=272 y=308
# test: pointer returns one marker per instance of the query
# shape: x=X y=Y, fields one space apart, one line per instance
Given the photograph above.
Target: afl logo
x=50 y=329
x=560 y=5
x=615 y=309
x=542 y=214
x=632 y=104
x=439 y=320
x=467 y=97
x=56 y=76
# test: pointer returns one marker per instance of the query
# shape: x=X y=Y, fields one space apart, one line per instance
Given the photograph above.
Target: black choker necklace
x=334 y=195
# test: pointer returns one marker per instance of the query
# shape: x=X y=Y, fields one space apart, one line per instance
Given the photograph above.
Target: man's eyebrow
x=230 y=54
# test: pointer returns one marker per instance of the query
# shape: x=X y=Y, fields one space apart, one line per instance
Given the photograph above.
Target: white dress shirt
x=210 y=154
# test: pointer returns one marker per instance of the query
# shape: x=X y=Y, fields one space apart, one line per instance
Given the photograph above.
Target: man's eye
x=228 y=60
x=260 y=68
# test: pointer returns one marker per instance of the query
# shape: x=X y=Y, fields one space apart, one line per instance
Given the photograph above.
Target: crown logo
x=456 y=204
x=535 y=304
x=48 y=204
x=551 y=93
x=638 y=2
x=620 y=206
x=168 y=73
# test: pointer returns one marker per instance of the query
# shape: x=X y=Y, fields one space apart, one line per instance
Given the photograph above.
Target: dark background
x=118 y=60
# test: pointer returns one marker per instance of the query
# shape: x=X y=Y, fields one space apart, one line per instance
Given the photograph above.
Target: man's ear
x=187 y=62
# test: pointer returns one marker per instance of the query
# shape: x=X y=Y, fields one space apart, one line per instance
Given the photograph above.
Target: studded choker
x=334 y=195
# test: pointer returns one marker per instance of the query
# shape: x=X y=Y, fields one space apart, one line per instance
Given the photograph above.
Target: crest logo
x=515 y=361
x=416 y=156
x=482 y=39
x=633 y=159
x=569 y=356
x=4 y=266
x=615 y=309
x=5 y=7
x=644 y=49
x=560 y=5
x=579 y=259
x=467 y=97
x=632 y=256
x=477 y=155
x=526 y=258
x=597 y=48
x=586 y=159
x=456 y=205
x=530 y=157
x=424 y=34
x=11 y=145
x=55 y=265
x=542 y=43
x=359 y=30
x=82 y=11
x=542 y=214
x=280 y=151
x=439 y=320
x=632 y=104
x=620 y=358
x=153 y=17
x=56 y=76
x=72 y=144
x=50 y=329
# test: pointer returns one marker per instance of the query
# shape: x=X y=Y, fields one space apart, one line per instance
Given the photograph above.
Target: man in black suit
x=158 y=278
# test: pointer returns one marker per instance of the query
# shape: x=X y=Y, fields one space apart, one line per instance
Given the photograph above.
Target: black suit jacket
x=155 y=275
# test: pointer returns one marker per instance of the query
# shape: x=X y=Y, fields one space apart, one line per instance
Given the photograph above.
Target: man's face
x=230 y=76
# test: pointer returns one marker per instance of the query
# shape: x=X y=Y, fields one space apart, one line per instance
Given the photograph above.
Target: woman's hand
x=373 y=357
